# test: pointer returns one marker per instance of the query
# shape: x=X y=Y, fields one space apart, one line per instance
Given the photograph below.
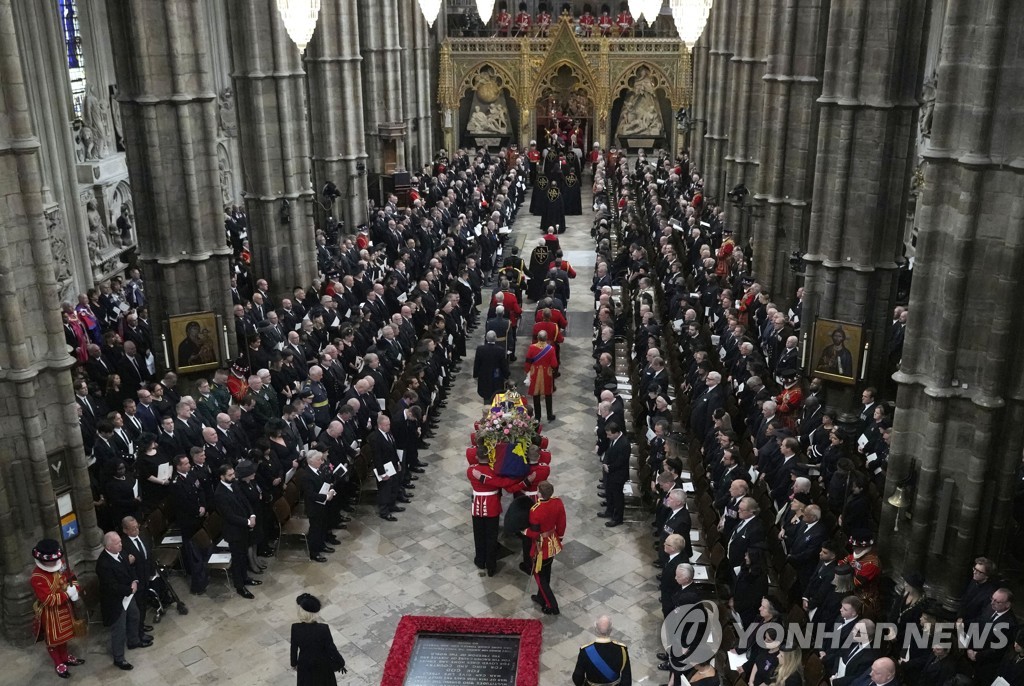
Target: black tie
x=142 y=548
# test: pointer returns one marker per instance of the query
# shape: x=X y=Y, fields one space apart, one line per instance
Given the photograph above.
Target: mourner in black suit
x=806 y=545
x=712 y=398
x=315 y=498
x=139 y=551
x=239 y=521
x=117 y=582
x=382 y=447
x=490 y=367
x=188 y=502
x=748 y=532
x=674 y=547
x=616 y=473
x=314 y=656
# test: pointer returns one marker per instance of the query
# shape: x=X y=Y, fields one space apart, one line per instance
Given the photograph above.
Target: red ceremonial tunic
x=512 y=309
x=789 y=402
x=604 y=23
x=554 y=331
x=523 y=22
x=566 y=267
x=625 y=22
x=867 y=572
x=504 y=22
x=556 y=316
x=543 y=23
x=487 y=492
x=547 y=527
x=533 y=154
x=54 y=614
x=586 y=24
x=538 y=472
x=540 y=365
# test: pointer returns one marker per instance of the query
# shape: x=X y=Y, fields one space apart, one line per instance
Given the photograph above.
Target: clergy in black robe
x=573 y=201
x=554 y=213
x=539 y=260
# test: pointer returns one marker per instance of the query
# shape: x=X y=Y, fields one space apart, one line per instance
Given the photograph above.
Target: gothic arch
x=580 y=72
x=662 y=80
x=506 y=81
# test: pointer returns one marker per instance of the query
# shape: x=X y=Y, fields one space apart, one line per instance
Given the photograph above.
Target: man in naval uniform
x=604 y=662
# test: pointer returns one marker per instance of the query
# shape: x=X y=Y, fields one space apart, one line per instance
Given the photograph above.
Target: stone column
x=862 y=171
x=273 y=134
x=408 y=12
x=796 y=47
x=169 y=111
x=426 y=63
x=336 y=107
x=960 y=419
x=716 y=137
x=382 y=85
x=748 y=65
x=40 y=427
x=701 y=86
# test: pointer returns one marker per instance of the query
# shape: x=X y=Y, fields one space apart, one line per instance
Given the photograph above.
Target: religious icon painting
x=836 y=350
x=194 y=342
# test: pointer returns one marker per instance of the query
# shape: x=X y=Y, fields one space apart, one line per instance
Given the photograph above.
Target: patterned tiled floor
x=420 y=564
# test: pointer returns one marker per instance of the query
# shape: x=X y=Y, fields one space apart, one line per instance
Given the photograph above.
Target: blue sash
x=598 y=662
x=539 y=355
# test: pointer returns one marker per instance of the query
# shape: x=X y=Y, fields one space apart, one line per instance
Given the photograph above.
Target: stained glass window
x=73 y=43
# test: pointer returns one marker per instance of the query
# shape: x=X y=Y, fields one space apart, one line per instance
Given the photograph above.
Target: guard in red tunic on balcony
x=523 y=21
x=586 y=22
x=543 y=21
x=503 y=21
x=624 y=20
x=604 y=22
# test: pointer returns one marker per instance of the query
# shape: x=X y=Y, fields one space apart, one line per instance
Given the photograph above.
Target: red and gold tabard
x=547 y=527
x=55 y=618
x=867 y=573
x=789 y=402
x=724 y=253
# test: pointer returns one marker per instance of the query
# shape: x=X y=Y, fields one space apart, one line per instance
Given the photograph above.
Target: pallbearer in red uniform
x=540 y=470
x=547 y=527
x=541 y=363
x=56 y=588
x=624 y=20
x=487 y=509
x=586 y=22
x=523 y=21
x=543 y=20
x=604 y=22
x=503 y=21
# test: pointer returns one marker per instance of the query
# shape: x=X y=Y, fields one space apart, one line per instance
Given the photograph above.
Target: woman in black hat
x=314 y=655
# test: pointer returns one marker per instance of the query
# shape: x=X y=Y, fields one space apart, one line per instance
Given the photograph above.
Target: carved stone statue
x=85 y=146
x=115 y=117
x=479 y=122
x=59 y=250
x=641 y=112
x=226 y=115
x=928 y=89
x=96 y=117
x=97 y=233
x=226 y=181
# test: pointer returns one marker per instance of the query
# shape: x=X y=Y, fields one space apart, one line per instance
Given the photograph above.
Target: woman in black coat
x=751 y=586
x=314 y=655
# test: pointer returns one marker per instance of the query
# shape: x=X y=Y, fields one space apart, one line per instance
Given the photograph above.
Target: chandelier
x=430 y=9
x=650 y=9
x=299 y=17
x=485 y=8
x=690 y=16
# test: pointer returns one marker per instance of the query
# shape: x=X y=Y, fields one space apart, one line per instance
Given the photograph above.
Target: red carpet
x=528 y=630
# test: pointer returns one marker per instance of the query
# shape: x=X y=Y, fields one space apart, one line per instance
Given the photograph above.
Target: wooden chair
x=203 y=542
x=814 y=671
x=290 y=523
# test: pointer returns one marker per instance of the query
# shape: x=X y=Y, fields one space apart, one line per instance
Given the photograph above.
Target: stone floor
x=420 y=564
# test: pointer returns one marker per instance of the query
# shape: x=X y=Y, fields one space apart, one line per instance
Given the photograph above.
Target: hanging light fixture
x=485 y=8
x=299 y=17
x=690 y=17
x=652 y=8
x=636 y=9
x=430 y=10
